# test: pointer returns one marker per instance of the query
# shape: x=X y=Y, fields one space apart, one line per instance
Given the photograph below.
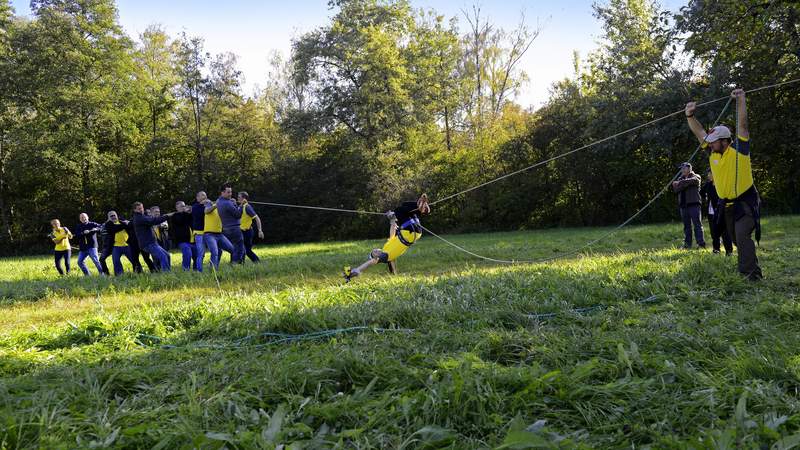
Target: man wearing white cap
x=733 y=177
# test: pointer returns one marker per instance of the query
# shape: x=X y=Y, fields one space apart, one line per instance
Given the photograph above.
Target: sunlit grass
x=480 y=352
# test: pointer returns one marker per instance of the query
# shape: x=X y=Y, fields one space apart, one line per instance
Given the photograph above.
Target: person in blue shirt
x=230 y=214
x=143 y=226
x=86 y=234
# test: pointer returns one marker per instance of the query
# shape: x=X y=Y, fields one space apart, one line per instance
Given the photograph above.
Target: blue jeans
x=66 y=255
x=236 y=238
x=216 y=242
x=116 y=257
x=160 y=255
x=188 y=254
x=91 y=254
x=200 y=251
x=248 y=245
x=691 y=220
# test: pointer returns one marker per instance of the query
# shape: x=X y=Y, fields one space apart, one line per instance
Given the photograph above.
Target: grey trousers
x=740 y=232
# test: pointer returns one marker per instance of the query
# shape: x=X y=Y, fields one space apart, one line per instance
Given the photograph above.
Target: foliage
x=376 y=106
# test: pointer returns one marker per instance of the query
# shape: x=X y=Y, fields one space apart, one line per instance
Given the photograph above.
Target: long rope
x=592 y=144
x=537 y=164
x=321 y=208
x=595 y=241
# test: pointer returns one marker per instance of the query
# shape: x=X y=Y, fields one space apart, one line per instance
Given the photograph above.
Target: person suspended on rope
x=404 y=230
x=739 y=203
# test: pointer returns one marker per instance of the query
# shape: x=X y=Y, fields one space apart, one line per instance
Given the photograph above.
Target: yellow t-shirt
x=247 y=219
x=59 y=233
x=725 y=166
x=395 y=248
x=213 y=223
x=121 y=238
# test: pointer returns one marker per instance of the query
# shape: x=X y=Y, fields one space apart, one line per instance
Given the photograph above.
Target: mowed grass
x=635 y=344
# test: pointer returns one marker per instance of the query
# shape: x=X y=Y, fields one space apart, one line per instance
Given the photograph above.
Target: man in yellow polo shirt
x=733 y=178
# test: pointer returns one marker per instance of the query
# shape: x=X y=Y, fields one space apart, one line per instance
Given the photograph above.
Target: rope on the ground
x=276 y=338
x=594 y=241
x=589 y=309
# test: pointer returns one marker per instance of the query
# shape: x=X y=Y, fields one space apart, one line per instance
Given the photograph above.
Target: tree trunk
x=5 y=219
x=447 y=129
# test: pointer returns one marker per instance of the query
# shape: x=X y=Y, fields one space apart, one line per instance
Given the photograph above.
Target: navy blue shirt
x=198 y=217
x=143 y=226
x=89 y=240
x=229 y=213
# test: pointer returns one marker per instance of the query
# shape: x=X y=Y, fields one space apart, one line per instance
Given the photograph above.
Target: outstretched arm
x=694 y=124
x=257 y=221
x=741 y=116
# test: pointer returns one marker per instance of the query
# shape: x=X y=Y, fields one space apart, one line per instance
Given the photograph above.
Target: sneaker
x=716 y=251
x=348 y=274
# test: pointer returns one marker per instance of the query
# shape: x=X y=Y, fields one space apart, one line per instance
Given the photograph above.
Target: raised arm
x=694 y=124
x=741 y=116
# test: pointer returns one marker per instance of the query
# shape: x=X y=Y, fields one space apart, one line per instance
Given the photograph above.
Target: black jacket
x=110 y=230
x=181 y=227
x=143 y=227
x=688 y=190
x=89 y=240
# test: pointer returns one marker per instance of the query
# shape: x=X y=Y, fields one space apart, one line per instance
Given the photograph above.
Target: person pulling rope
x=401 y=237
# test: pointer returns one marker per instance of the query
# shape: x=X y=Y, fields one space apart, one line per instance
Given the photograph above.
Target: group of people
x=730 y=197
x=226 y=224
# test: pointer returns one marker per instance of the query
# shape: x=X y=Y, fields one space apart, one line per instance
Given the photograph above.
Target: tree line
x=382 y=103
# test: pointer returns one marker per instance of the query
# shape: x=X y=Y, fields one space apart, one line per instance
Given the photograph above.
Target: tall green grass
x=464 y=354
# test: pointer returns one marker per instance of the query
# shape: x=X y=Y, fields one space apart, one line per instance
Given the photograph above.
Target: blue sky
x=251 y=29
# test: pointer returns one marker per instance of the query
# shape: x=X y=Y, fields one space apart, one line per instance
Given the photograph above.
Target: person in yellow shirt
x=60 y=237
x=214 y=240
x=249 y=218
x=739 y=202
x=401 y=237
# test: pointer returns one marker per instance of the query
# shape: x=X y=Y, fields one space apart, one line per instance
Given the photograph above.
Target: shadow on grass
x=472 y=363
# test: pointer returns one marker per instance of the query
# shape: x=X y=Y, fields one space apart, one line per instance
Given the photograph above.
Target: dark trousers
x=248 y=244
x=137 y=266
x=742 y=231
x=718 y=232
x=66 y=255
x=236 y=238
x=691 y=220
x=103 y=257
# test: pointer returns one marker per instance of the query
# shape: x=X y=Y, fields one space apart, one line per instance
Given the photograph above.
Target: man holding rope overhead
x=739 y=204
x=401 y=237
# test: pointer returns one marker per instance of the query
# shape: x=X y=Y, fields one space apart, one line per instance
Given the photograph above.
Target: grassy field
x=636 y=345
